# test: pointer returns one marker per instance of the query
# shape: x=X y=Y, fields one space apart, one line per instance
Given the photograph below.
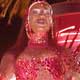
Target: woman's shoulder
x=24 y=55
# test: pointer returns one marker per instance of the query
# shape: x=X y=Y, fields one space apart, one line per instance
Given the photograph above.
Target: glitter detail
x=28 y=70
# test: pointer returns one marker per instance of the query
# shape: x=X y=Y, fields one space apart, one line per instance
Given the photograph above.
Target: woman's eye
x=46 y=12
x=36 y=11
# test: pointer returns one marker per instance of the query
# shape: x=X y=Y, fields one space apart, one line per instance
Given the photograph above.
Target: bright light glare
x=13 y=77
x=72 y=33
x=69 y=28
x=63 y=41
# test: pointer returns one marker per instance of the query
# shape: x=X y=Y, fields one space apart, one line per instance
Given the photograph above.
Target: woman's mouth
x=40 y=21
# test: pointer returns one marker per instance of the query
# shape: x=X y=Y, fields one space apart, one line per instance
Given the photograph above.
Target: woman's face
x=40 y=17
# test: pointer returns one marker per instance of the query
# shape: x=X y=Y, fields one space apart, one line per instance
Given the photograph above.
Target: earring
x=28 y=31
x=51 y=24
x=52 y=32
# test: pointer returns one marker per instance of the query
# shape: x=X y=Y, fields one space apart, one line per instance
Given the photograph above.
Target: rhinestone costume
x=37 y=69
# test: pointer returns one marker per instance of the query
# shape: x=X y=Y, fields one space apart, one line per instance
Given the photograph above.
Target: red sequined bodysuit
x=48 y=69
x=38 y=62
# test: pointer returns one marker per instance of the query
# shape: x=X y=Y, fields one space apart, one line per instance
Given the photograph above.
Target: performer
x=40 y=59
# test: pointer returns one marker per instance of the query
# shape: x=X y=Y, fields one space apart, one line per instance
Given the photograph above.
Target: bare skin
x=7 y=67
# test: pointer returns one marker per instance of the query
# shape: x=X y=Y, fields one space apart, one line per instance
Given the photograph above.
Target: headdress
x=28 y=29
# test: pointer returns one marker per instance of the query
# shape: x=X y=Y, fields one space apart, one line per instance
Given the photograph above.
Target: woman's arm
x=7 y=66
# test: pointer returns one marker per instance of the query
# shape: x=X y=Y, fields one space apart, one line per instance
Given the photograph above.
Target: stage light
x=69 y=28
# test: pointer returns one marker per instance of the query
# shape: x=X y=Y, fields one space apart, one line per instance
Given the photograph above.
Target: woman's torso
x=39 y=64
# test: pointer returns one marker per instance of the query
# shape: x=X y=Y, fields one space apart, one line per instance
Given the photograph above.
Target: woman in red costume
x=40 y=59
